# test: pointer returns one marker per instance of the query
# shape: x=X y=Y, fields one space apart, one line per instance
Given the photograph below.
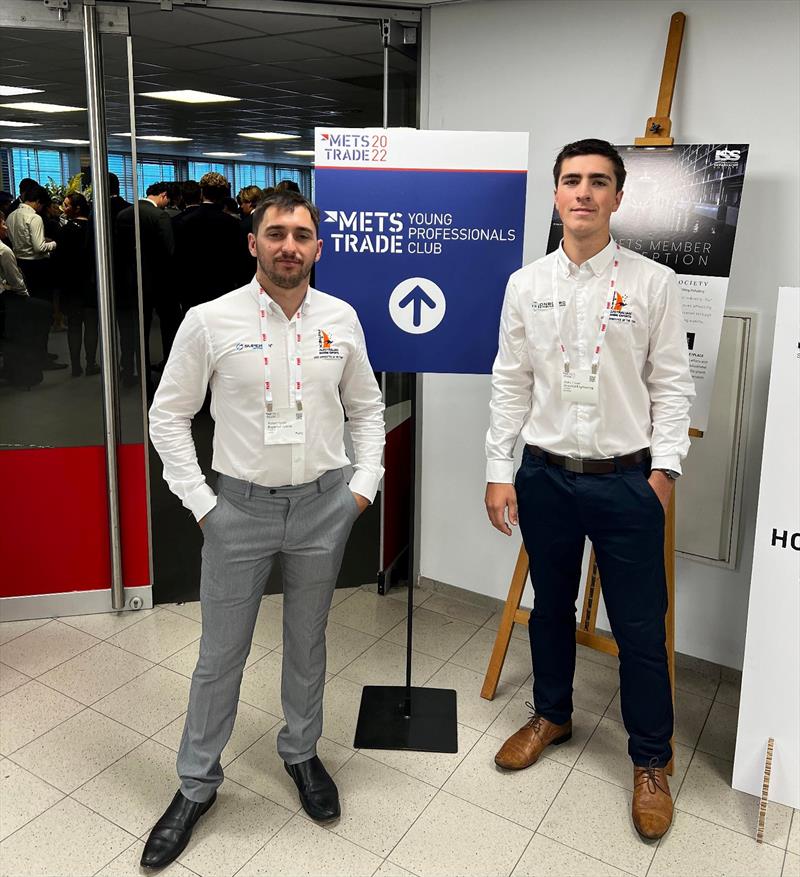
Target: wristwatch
x=670 y=473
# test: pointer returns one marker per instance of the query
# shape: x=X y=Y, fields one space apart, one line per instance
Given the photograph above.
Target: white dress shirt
x=218 y=344
x=645 y=388
x=27 y=234
x=11 y=279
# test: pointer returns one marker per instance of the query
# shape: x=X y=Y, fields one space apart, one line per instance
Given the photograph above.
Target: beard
x=283 y=280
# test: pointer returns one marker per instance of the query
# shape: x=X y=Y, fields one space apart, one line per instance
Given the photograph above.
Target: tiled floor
x=91 y=711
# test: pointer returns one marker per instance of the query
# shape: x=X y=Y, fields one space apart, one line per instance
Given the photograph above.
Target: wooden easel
x=657 y=133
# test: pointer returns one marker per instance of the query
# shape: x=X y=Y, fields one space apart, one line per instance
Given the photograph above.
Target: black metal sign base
x=398 y=717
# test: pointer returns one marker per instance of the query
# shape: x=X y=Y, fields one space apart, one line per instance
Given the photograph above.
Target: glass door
x=74 y=527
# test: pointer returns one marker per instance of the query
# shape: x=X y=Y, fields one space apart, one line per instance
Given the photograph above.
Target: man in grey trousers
x=281 y=359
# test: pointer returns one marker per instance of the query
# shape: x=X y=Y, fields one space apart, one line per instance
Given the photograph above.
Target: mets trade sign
x=421 y=230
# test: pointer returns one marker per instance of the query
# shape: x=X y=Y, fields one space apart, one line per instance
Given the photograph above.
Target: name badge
x=579 y=386
x=284 y=426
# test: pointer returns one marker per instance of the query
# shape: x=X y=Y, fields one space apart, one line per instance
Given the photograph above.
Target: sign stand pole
x=393 y=716
x=406 y=717
x=657 y=133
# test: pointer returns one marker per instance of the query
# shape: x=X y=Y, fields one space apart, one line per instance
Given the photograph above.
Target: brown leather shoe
x=524 y=748
x=652 y=802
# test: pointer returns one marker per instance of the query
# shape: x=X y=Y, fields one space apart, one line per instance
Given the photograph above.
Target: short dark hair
x=157 y=188
x=79 y=202
x=191 y=192
x=174 y=190
x=284 y=202
x=592 y=147
x=26 y=183
x=113 y=184
x=287 y=186
x=36 y=193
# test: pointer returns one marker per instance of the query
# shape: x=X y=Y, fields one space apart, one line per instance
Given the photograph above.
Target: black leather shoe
x=172 y=832
x=318 y=793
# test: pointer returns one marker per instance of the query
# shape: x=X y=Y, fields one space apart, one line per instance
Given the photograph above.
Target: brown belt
x=590 y=467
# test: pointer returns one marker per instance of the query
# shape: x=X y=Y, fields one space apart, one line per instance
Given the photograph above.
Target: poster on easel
x=420 y=232
x=770 y=699
x=681 y=208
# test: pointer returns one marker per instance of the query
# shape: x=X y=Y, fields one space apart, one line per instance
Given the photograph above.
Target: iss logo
x=729 y=158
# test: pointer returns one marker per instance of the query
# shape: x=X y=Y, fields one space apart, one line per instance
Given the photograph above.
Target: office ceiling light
x=13 y=140
x=40 y=107
x=7 y=123
x=15 y=91
x=224 y=154
x=190 y=96
x=158 y=138
x=162 y=138
x=299 y=152
x=69 y=142
x=268 y=135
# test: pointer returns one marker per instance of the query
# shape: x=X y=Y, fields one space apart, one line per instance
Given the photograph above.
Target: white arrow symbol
x=331 y=216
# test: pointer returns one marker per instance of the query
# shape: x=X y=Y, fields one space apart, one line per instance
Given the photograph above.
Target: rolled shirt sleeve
x=512 y=387
x=180 y=395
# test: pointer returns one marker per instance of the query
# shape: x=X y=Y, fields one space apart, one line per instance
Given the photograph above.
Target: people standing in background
x=54 y=219
x=175 y=195
x=157 y=251
x=32 y=250
x=231 y=207
x=192 y=199
x=31 y=246
x=248 y=199
x=116 y=203
x=24 y=323
x=211 y=255
x=24 y=184
x=74 y=272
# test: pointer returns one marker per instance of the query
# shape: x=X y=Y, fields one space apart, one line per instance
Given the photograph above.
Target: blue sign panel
x=423 y=256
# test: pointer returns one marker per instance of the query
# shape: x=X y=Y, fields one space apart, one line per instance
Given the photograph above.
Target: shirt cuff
x=364 y=484
x=667 y=461
x=201 y=501
x=500 y=471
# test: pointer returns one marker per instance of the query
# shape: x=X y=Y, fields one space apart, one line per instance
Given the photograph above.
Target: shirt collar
x=598 y=264
x=308 y=301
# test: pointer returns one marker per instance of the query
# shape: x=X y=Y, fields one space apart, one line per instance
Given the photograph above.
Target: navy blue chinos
x=624 y=519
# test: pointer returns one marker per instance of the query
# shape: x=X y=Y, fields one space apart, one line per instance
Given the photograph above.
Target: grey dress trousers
x=307 y=526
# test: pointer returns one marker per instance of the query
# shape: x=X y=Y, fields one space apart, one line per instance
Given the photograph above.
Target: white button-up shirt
x=219 y=344
x=645 y=388
x=27 y=234
x=11 y=279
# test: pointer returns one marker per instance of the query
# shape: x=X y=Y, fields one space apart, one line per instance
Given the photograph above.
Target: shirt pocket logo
x=326 y=348
x=621 y=310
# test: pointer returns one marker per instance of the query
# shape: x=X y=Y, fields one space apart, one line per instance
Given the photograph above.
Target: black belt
x=590 y=467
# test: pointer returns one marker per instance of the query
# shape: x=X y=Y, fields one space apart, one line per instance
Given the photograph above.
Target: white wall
x=567 y=70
